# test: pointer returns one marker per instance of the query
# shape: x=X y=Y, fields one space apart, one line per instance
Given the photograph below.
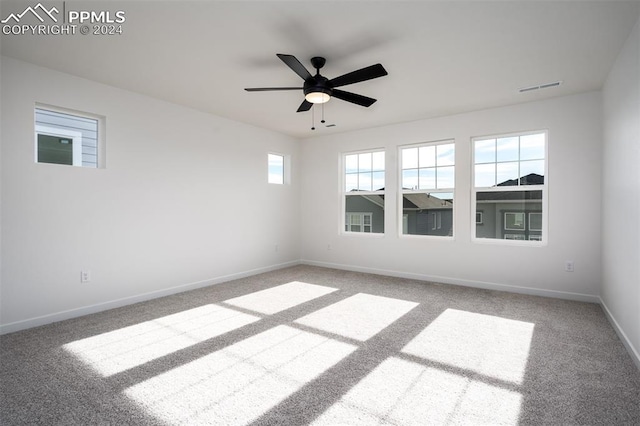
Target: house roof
x=530 y=179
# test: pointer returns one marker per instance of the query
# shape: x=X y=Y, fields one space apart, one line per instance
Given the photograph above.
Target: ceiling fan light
x=317 y=97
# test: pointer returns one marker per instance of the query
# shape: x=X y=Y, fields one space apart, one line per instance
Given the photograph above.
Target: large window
x=428 y=182
x=364 y=192
x=66 y=138
x=510 y=186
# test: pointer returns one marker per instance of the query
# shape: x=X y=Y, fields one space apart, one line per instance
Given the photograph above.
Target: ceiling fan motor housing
x=317 y=83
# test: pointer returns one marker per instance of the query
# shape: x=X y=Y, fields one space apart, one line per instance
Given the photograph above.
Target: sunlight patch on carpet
x=358 y=317
x=119 y=350
x=277 y=299
x=400 y=392
x=241 y=382
x=492 y=346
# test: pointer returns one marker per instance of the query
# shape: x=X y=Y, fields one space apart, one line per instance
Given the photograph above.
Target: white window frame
x=344 y=225
x=437 y=224
x=361 y=215
x=544 y=237
x=76 y=145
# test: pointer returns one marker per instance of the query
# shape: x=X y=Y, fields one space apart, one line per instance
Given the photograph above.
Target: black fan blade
x=269 y=89
x=293 y=63
x=304 y=106
x=353 y=98
x=364 y=74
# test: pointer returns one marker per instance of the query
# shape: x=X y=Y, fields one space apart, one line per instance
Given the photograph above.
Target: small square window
x=66 y=138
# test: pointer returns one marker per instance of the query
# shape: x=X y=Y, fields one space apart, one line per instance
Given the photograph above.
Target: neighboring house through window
x=363 y=195
x=510 y=186
x=427 y=187
x=66 y=138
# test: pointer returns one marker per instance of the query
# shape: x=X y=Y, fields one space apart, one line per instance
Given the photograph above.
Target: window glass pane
x=55 y=150
x=378 y=161
x=503 y=214
x=275 y=168
x=364 y=162
x=351 y=163
x=369 y=209
x=485 y=151
x=507 y=149
x=442 y=196
x=532 y=172
x=427 y=214
x=410 y=158
x=507 y=174
x=364 y=182
x=427 y=156
x=514 y=221
x=485 y=175
x=351 y=181
x=378 y=181
x=535 y=222
x=427 y=178
x=446 y=154
x=445 y=177
x=410 y=179
x=532 y=147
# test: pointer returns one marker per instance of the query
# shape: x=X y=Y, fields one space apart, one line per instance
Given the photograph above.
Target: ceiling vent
x=540 y=86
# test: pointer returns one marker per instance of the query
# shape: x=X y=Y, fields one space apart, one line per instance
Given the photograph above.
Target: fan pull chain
x=313 y=117
x=322 y=121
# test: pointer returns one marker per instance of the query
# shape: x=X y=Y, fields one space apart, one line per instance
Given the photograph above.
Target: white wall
x=574 y=154
x=621 y=193
x=183 y=201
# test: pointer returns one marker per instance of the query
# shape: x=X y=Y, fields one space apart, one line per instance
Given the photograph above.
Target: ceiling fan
x=319 y=89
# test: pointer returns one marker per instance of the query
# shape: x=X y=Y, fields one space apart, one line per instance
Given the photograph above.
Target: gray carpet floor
x=314 y=346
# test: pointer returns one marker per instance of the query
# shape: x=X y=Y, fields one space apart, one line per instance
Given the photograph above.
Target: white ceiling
x=442 y=57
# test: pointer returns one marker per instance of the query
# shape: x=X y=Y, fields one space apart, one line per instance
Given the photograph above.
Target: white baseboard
x=633 y=352
x=99 y=307
x=456 y=281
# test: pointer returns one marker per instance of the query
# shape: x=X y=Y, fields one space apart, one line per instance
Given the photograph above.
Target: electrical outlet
x=85 y=276
x=568 y=266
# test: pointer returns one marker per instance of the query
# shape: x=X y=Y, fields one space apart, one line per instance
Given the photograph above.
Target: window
x=65 y=138
x=364 y=192
x=535 y=221
x=358 y=222
x=510 y=187
x=514 y=221
x=275 y=166
x=427 y=187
